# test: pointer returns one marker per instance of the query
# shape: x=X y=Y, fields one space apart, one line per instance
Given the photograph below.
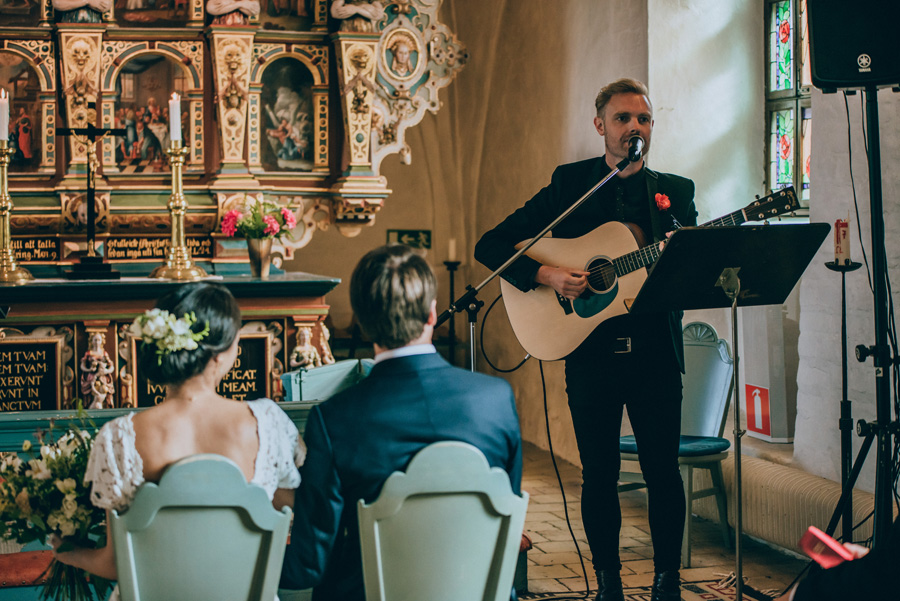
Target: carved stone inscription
x=29 y=374
x=247 y=380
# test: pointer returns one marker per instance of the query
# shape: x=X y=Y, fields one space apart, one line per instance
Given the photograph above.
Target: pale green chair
x=202 y=533
x=708 y=384
x=446 y=530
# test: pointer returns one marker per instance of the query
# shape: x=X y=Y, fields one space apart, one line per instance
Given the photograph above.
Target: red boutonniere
x=662 y=202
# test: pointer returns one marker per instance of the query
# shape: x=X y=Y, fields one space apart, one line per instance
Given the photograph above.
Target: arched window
x=788 y=109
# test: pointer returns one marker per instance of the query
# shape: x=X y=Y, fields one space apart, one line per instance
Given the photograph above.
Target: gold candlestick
x=178 y=265
x=9 y=271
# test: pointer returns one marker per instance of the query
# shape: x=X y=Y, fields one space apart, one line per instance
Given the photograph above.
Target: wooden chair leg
x=687 y=476
x=718 y=481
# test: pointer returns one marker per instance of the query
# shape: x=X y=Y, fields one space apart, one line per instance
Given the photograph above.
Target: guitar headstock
x=777 y=203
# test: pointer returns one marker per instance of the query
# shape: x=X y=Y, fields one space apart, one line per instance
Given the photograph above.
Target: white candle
x=4 y=115
x=451 y=250
x=175 y=118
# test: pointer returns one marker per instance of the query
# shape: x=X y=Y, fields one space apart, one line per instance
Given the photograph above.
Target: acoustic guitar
x=549 y=327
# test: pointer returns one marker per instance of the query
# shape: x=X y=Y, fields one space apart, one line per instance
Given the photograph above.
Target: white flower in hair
x=168 y=334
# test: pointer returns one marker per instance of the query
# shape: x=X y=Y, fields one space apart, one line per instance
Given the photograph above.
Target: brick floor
x=554 y=565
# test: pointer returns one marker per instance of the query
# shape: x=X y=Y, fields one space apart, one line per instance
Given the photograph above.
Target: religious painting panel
x=143 y=91
x=21 y=13
x=286 y=15
x=20 y=81
x=153 y=13
x=288 y=117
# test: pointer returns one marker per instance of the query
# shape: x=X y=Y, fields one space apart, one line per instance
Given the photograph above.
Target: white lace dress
x=116 y=470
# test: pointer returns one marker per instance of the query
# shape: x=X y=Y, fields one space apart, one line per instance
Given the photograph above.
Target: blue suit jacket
x=356 y=439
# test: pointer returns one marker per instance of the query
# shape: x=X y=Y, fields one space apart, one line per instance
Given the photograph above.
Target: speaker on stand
x=855 y=45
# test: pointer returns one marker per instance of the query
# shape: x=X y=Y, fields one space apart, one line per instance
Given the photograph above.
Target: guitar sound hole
x=603 y=275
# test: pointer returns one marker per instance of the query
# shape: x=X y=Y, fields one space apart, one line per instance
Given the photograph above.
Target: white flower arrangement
x=46 y=494
x=166 y=332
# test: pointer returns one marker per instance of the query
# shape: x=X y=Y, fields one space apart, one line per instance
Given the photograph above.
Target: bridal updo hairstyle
x=212 y=304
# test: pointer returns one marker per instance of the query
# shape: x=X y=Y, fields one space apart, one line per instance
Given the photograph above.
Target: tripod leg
x=851 y=482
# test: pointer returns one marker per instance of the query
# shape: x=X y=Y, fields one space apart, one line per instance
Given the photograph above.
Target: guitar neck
x=649 y=254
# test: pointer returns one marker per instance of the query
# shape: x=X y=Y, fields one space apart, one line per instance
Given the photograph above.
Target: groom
x=411 y=399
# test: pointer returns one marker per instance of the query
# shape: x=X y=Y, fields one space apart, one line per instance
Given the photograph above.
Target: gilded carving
x=305 y=354
x=233 y=54
x=358 y=92
x=40 y=52
x=417 y=57
x=81 y=77
x=74 y=211
x=313 y=214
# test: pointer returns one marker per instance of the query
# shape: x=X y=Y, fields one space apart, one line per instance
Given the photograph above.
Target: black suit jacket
x=568 y=184
x=359 y=437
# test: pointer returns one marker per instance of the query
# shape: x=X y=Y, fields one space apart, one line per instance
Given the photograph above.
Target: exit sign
x=411 y=238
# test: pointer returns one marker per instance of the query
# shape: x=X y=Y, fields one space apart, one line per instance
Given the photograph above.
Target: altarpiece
x=291 y=102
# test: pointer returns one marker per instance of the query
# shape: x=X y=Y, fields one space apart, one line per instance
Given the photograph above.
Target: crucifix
x=91 y=266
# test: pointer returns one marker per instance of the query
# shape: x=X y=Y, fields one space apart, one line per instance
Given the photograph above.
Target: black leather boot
x=609 y=586
x=666 y=586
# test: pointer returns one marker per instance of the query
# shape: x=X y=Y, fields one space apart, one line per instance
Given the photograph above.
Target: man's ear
x=598 y=124
x=432 y=314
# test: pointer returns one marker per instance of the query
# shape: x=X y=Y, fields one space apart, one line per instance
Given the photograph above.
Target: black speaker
x=854 y=43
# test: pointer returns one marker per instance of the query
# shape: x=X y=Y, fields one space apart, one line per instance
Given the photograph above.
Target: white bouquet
x=46 y=494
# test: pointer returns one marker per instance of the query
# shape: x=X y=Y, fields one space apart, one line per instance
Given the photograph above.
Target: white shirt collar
x=405 y=351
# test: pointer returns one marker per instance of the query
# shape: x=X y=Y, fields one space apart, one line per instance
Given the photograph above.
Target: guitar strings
x=642 y=257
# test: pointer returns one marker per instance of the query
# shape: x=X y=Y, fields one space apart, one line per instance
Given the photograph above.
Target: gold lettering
x=19 y=405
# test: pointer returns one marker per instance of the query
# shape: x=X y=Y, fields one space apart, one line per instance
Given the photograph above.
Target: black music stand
x=711 y=268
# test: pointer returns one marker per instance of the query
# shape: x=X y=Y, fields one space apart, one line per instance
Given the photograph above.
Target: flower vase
x=260 y=251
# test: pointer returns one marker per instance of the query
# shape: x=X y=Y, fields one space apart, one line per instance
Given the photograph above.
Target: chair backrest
x=203 y=532
x=446 y=530
x=708 y=383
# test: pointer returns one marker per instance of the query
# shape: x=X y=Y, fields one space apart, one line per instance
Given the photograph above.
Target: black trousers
x=647 y=380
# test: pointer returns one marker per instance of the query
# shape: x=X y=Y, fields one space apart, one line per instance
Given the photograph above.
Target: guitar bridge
x=565 y=303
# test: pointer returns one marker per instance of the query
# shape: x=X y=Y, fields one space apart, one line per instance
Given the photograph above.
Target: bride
x=189 y=343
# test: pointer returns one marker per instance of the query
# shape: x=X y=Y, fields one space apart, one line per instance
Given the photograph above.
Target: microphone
x=635 y=148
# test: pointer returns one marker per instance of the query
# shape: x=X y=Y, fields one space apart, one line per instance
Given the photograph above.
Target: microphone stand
x=469 y=301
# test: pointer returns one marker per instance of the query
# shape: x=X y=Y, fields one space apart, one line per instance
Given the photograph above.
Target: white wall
x=817 y=440
x=524 y=104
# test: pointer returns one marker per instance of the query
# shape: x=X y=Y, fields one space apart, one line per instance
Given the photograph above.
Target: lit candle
x=4 y=115
x=451 y=250
x=175 y=118
x=842 y=242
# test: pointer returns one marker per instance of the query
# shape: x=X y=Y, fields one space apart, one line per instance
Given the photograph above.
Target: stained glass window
x=781 y=143
x=788 y=112
x=805 y=147
x=781 y=44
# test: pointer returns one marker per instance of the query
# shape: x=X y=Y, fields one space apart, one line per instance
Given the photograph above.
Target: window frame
x=797 y=97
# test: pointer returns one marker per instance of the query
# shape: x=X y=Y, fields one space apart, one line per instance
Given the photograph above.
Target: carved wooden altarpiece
x=296 y=103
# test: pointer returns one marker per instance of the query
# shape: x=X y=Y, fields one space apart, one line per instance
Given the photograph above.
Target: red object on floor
x=24 y=569
x=525 y=543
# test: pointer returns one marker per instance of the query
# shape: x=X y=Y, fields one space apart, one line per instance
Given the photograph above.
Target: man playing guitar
x=628 y=360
